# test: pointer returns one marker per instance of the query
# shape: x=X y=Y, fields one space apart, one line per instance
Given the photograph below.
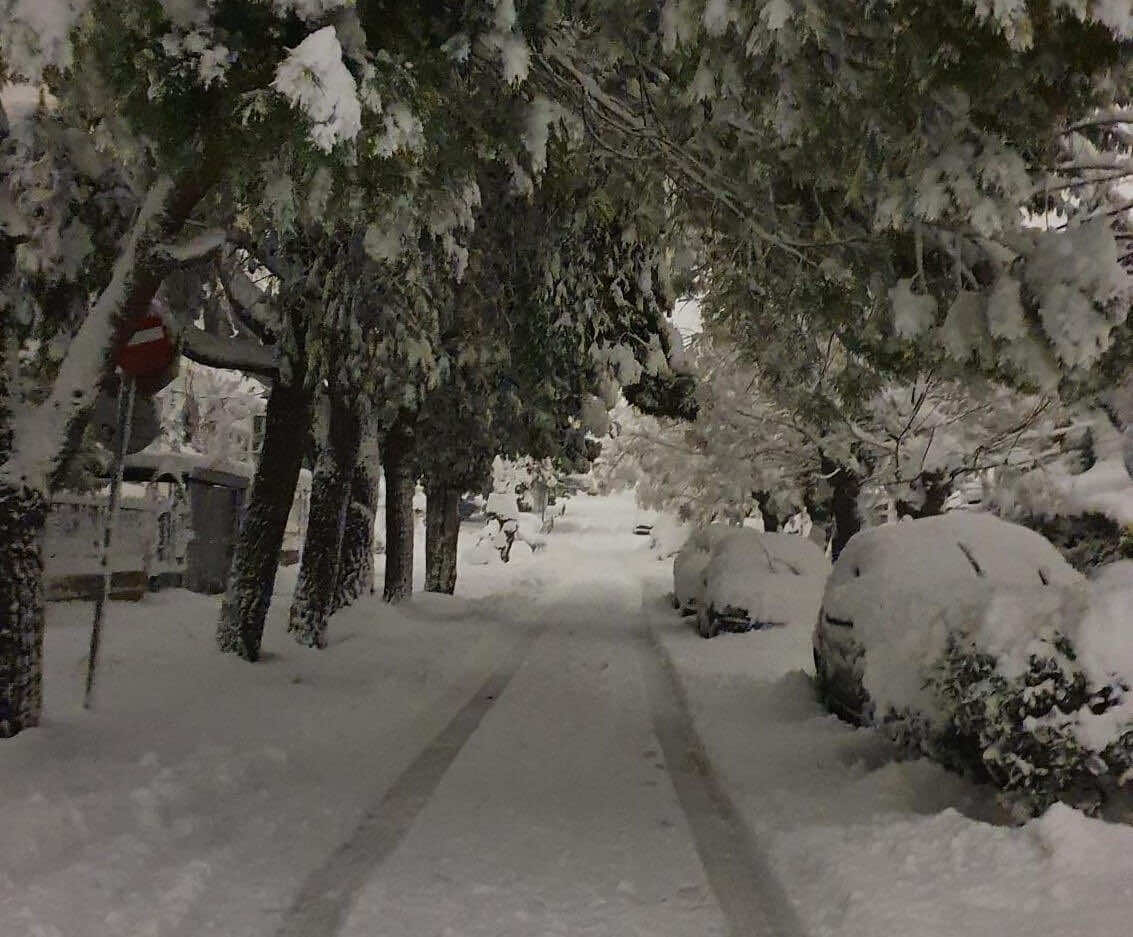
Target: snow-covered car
x=895 y=586
x=756 y=580
x=690 y=563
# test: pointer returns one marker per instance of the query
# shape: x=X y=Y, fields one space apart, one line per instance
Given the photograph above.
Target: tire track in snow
x=327 y=895
x=749 y=894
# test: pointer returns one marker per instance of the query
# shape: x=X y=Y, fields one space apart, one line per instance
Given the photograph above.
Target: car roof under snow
x=960 y=546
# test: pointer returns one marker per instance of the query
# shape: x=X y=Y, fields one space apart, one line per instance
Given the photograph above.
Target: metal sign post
x=147 y=354
x=127 y=388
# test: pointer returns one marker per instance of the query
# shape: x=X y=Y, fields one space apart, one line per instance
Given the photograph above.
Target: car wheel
x=707 y=625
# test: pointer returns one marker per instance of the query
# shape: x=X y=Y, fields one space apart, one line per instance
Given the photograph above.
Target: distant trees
x=907 y=443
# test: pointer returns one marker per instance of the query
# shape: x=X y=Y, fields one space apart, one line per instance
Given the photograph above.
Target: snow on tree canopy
x=315 y=80
x=912 y=314
x=36 y=34
x=1082 y=289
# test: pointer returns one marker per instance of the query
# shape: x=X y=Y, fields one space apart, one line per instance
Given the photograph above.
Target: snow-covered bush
x=970 y=640
x=1086 y=540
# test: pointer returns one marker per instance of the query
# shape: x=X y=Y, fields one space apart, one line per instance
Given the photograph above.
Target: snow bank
x=866 y=842
x=503 y=504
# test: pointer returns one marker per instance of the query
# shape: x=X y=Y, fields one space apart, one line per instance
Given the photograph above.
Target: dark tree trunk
x=311 y=606
x=23 y=512
x=356 y=568
x=770 y=518
x=401 y=482
x=264 y=523
x=845 y=487
x=442 y=531
x=936 y=490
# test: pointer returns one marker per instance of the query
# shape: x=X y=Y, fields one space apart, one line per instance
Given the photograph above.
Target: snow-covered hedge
x=1006 y=665
x=1086 y=540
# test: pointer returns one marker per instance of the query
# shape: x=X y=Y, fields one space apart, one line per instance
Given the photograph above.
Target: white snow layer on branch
x=41 y=432
x=231 y=352
x=315 y=80
x=1013 y=19
x=912 y=314
x=195 y=248
x=36 y=34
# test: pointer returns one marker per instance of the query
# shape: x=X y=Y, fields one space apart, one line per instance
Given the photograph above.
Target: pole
x=127 y=388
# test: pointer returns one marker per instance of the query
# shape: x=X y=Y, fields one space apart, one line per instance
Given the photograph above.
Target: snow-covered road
x=553 y=752
x=558 y=816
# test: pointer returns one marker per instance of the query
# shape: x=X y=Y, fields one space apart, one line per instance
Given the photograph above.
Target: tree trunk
x=264 y=523
x=401 y=482
x=442 y=531
x=338 y=441
x=23 y=512
x=356 y=568
x=770 y=518
x=936 y=490
x=845 y=488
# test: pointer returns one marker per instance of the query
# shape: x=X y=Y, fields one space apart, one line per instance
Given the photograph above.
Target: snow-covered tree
x=758 y=445
x=955 y=169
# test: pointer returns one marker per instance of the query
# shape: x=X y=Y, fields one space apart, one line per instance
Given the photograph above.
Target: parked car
x=690 y=563
x=915 y=574
x=757 y=580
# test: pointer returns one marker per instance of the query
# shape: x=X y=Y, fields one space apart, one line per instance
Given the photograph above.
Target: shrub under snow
x=980 y=647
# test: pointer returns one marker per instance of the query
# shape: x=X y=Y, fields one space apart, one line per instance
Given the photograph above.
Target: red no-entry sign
x=147 y=354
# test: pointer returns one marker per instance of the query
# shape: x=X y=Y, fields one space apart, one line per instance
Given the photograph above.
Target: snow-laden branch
x=196 y=248
x=252 y=305
x=233 y=353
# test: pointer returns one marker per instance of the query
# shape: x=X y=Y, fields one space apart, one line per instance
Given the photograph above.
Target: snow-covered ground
x=488 y=765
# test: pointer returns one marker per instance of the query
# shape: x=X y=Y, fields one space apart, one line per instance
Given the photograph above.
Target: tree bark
x=770 y=518
x=401 y=482
x=845 y=487
x=356 y=569
x=337 y=439
x=23 y=512
x=936 y=488
x=442 y=533
x=264 y=523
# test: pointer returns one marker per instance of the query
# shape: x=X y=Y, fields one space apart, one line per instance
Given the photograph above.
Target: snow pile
x=979 y=646
x=667 y=537
x=503 y=505
x=314 y=79
x=774 y=577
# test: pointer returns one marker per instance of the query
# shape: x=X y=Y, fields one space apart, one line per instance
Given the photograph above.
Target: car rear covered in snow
x=690 y=563
x=755 y=580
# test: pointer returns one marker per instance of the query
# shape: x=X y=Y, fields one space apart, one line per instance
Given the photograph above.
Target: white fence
x=151 y=535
